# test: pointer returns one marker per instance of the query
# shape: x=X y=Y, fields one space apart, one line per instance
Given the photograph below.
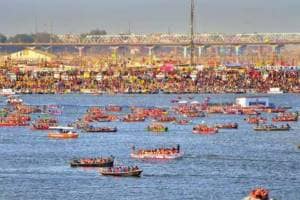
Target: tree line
x=42 y=37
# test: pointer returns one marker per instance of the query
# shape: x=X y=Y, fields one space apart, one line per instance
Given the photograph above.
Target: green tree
x=3 y=38
x=22 y=38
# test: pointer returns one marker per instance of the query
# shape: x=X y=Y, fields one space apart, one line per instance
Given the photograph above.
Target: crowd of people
x=152 y=80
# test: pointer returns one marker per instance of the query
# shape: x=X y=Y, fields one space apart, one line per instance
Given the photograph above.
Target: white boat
x=7 y=92
x=275 y=91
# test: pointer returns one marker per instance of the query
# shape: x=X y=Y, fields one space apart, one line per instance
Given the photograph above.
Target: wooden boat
x=92 y=129
x=157 y=127
x=64 y=133
x=93 y=162
x=256 y=120
x=205 y=130
x=121 y=171
x=272 y=128
x=165 y=119
x=227 y=126
x=133 y=118
x=182 y=122
x=287 y=117
x=157 y=154
x=113 y=108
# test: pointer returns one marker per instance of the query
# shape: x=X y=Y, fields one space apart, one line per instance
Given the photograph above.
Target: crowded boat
x=272 y=127
x=205 y=129
x=93 y=162
x=160 y=153
x=122 y=171
x=157 y=128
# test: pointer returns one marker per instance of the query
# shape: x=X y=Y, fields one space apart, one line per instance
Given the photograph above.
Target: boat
x=113 y=108
x=165 y=119
x=92 y=129
x=227 y=126
x=133 y=118
x=157 y=127
x=157 y=154
x=255 y=120
x=204 y=129
x=272 y=128
x=63 y=134
x=275 y=90
x=93 y=162
x=14 y=100
x=182 y=122
x=121 y=171
x=258 y=194
x=286 y=117
x=7 y=92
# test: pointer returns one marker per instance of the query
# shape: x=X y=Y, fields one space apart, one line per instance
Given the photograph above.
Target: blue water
x=224 y=166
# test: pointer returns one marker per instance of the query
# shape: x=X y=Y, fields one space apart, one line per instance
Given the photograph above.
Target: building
x=253 y=101
x=31 y=55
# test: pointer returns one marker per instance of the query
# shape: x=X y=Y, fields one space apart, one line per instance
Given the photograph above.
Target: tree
x=22 y=38
x=45 y=38
x=94 y=32
x=3 y=38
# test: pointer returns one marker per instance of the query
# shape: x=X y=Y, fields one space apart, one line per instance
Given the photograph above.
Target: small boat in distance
x=93 y=162
x=272 y=128
x=205 y=130
x=92 y=129
x=121 y=171
x=157 y=128
x=227 y=126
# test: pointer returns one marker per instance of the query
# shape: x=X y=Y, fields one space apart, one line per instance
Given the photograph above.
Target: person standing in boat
x=178 y=148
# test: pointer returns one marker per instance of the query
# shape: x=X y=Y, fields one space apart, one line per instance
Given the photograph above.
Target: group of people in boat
x=159 y=151
x=122 y=169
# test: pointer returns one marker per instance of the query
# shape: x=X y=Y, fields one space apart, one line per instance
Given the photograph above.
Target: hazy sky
x=76 y=16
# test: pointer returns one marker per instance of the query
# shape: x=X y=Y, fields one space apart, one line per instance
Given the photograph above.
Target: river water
x=223 y=166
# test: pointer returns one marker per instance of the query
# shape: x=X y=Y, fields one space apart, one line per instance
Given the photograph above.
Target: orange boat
x=204 y=129
x=65 y=133
x=258 y=194
x=286 y=117
x=256 y=120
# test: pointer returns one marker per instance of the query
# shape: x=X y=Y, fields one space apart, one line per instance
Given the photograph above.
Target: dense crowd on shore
x=151 y=80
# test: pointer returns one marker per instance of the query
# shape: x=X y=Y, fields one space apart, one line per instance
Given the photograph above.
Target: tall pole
x=192 y=23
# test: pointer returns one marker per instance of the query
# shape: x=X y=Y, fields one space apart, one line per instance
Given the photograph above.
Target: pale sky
x=148 y=16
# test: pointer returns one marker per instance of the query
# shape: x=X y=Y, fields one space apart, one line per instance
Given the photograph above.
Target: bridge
x=202 y=41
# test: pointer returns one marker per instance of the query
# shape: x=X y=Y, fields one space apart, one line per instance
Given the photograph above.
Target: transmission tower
x=192 y=29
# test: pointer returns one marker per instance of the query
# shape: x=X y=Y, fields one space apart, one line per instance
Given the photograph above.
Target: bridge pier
x=80 y=50
x=240 y=50
x=277 y=49
x=202 y=50
x=150 y=50
x=185 y=51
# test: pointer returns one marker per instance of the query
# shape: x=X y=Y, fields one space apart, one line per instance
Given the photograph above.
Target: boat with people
x=44 y=123
x=157 y=127
x=157 y=154
x=272 y=127
x=286 y=117
x=133 y=118
x=93 y=162
x=113 y=108
x=255 y=120
x=205 y=129
x=63 y=133
x=14 y=100
x=183 y=122
x=258 y=194
x=165 y=119
x=227 y=126
x=92 y=129
x=122 y=171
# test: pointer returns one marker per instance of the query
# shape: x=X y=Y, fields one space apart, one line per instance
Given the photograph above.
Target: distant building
x=253 y=101
x=31 y=55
